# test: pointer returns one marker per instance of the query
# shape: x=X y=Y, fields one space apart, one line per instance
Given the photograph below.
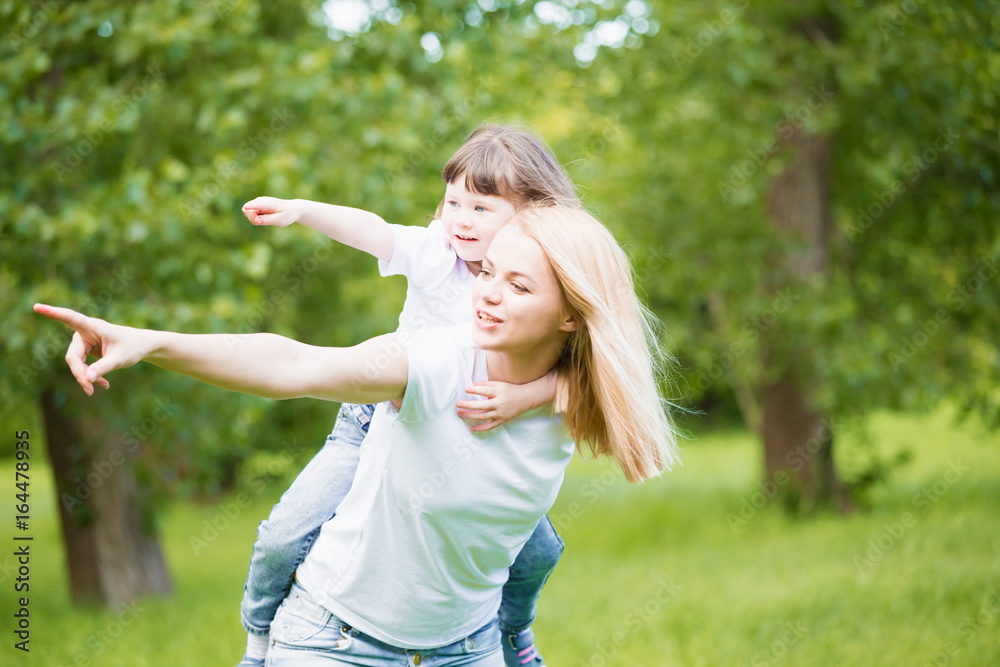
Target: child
x=497 y=170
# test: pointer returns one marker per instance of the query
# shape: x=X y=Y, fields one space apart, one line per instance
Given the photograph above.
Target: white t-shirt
x=438 y=282
x=421 y=545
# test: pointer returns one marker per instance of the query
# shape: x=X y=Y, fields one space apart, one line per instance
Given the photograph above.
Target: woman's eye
x=518 y=288
x=485 y=274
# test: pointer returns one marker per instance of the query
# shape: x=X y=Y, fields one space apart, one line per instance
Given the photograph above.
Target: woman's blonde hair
x=510 y=161
x=608 y=373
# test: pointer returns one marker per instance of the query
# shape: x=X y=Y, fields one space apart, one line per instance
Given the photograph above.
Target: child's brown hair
x=512 y=162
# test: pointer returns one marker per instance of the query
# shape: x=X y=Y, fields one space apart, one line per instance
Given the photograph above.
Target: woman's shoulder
x=449 y=335
x=442 y=362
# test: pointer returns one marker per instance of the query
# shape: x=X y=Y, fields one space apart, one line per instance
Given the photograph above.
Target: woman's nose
x=490 y=293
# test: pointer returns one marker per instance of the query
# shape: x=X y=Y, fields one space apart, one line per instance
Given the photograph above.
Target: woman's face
x=519 y=306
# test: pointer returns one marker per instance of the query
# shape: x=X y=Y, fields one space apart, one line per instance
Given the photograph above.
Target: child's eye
x=480 y=209
x=453 y=203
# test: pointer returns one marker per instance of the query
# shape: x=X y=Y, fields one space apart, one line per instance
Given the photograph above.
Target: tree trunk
x=798 y=439
x=113 y=554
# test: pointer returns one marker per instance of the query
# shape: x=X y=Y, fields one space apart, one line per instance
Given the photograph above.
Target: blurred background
x=809 y=195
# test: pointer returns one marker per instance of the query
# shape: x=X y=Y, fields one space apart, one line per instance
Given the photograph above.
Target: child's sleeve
x=420 y=253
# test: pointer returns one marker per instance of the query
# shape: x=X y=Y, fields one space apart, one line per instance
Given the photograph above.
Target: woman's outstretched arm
x=260 y=364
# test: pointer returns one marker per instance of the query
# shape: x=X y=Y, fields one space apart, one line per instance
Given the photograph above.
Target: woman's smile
x=487 y=321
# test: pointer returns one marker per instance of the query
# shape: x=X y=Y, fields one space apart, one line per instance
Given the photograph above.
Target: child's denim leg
x=284 y=538
x=528 y=574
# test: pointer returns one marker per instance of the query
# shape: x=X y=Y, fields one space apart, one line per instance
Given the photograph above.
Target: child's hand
x=494 y=411
x=271 y=211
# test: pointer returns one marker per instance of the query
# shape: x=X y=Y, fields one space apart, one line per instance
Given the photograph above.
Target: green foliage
x=135 y=132
x=909 y=311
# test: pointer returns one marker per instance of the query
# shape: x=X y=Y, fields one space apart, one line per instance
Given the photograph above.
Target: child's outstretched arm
x=505 y=401
x=259 y=364
x=351 y=226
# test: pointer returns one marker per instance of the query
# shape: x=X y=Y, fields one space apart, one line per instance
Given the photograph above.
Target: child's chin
x=469 y=256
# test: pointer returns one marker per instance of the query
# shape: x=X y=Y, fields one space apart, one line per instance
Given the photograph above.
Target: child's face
x=471 y=220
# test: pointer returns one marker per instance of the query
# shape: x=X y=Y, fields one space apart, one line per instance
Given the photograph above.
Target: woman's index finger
x=67 y=316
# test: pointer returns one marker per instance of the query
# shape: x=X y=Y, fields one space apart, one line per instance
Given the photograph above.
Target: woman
x=413 y=564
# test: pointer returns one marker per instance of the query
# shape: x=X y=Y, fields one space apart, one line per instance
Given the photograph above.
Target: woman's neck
x=507 y=367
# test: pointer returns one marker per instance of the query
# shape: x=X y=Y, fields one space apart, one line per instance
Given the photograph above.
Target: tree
x=111 y=116
x=820 y=180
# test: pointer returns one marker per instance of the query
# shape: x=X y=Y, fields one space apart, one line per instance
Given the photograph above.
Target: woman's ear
x=569 y=324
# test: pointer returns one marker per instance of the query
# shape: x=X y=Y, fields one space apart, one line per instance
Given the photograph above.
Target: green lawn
x=657 y=574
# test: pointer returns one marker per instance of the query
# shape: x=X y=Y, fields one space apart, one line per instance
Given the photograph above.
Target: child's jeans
x=285 y=537
x=305 y=634
x=530 y=571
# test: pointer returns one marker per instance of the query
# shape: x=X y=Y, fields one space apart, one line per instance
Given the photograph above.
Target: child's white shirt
x=438 y=281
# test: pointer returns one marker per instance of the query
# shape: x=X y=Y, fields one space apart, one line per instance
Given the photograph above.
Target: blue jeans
x=530 y=571
x=305 y=634
x=285 y=537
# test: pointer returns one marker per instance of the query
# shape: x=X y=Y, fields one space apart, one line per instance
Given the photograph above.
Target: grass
x=657 y=574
